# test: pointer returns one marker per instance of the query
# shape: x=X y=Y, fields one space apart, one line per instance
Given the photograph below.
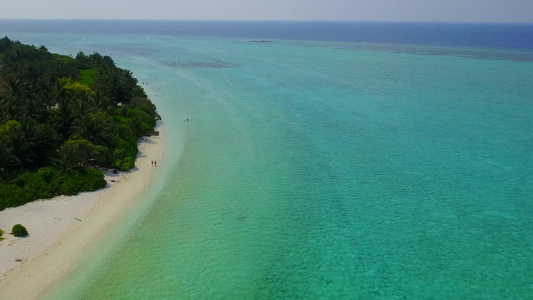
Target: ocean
x=320 y=160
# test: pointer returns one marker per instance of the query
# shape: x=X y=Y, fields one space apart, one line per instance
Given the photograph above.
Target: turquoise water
x=322 y=170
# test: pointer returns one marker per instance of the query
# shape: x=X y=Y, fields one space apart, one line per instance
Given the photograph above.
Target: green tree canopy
x=64 y=114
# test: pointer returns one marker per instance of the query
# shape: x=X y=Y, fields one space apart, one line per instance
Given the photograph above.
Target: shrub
x=70 y=185
x=34 y=185
x=125 y=164
x=92 y=180
x=19 y=231
x=47 y=174
x=48 y=182
x=102 y=156
x=1 y=232
x=124 y=155
x=11 y=195
x=84 y=147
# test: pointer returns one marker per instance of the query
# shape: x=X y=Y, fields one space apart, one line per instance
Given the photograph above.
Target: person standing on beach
x=155 y=163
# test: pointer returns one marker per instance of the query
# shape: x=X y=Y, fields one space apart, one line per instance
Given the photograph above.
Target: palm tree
x=27 y=144
x=22 y=155
x=97 y=128
x=68 y=159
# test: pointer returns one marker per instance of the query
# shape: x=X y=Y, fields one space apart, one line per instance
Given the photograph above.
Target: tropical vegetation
x=63 y=119
x=19 y=230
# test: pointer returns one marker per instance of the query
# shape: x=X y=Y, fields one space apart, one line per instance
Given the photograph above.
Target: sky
x=334 y=10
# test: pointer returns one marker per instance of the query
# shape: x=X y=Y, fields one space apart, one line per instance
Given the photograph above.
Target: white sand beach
x=63 y=228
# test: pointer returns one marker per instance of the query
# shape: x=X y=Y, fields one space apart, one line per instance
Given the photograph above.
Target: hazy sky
x=358 y=10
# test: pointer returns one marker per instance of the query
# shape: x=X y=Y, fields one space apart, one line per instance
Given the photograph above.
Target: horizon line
x=269 y=20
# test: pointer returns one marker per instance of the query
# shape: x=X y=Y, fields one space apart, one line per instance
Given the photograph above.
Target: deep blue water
x=479 y=35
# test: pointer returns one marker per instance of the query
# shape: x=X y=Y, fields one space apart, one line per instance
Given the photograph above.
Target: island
x=64 y=120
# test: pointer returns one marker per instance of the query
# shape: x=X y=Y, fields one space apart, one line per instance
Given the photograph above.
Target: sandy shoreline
x=61 y=229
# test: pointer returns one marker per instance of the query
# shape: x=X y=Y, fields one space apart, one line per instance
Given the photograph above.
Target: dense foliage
x=19 y=231
x=48 y=182
x=61 y=116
